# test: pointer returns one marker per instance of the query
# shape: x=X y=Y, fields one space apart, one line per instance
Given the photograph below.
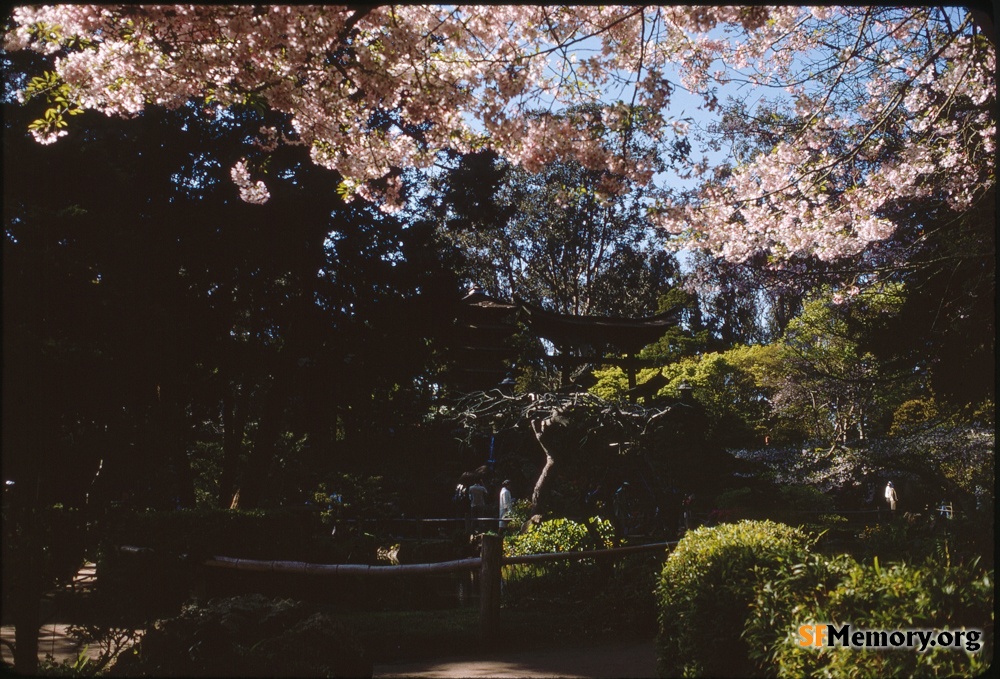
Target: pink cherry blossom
x=888 y=104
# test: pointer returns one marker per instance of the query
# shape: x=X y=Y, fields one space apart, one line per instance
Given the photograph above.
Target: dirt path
x=53 y=636
x=635 y=659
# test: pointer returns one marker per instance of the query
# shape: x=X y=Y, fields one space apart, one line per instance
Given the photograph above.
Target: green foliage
x=732 y=599
x=935 y=595
x=779 y=607
x=735 y=498
x=248 y=636
x=963 y=538
x=561 y=535
x=706 y=590
x=110 y=643
x=80 y=666
x=520 y=512
x=627 y=599
x=344 y=496
x=795 y=497
x=786 y=501
x=728 y=386
x=894 y=541
x=58 y=96
x=804 y=498
x=913 y=414
x=550 y=238
x=829 y=382
x=612 y=382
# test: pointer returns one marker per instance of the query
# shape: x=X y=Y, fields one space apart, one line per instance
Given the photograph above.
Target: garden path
x=626 y=659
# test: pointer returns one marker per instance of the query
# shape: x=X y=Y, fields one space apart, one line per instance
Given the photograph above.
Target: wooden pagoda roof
x=628 y=335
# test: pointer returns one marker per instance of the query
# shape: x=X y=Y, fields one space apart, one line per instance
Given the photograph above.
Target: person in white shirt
x=506 y=503
x=890 y=496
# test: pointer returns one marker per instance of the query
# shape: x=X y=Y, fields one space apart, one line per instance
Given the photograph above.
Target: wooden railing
x=490 y=563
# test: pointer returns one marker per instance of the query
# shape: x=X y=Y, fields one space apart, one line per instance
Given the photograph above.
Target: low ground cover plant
x=247 y=636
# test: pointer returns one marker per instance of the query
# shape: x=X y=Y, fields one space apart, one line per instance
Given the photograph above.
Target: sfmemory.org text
x=920 y=639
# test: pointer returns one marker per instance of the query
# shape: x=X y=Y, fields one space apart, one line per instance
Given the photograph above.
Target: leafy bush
x=556 y=535
x=736 y=498
x=963 y=538
x=249 y=636
x=561 y=535
x=789 y=502
x=780 y=607
x=344 y=496
x=935 y=595
x=894 y=541
x=706 y=590
x=803 y=497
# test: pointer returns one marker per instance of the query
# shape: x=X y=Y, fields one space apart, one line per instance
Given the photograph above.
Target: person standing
x=477 y=499
x=890 y=496
x=506 y=503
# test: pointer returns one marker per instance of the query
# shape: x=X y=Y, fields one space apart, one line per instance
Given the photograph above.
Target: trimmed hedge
x=733 y=598
x=706 y=590
x=932 y=596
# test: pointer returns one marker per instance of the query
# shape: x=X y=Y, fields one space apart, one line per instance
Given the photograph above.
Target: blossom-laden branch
x=890 y=104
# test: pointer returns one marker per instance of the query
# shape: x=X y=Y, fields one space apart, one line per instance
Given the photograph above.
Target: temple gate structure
x=486 y=326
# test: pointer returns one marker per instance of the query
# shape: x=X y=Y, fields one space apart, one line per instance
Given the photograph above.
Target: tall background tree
x=168 y=344
x=552 y=238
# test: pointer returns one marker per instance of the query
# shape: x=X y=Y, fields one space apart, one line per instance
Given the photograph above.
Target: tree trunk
x=169 y=425
x=232 y=435
x=27 y=441
x=27 y=593
x=251 y=490
x=538 y=494
x=27 y=622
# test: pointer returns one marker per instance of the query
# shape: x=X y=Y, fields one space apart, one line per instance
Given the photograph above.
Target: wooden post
x=489 y=588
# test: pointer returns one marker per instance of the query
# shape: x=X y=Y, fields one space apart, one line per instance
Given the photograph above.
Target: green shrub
x=706 y=590
x=353 y=496
x=555 y=535
x=737 y=498
x=896 y=540
x=519 y=514
x=793 y=504
x=935 y=595
x=561 y=535
x=248 y=636
x=782 y=601
x=801 y=497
